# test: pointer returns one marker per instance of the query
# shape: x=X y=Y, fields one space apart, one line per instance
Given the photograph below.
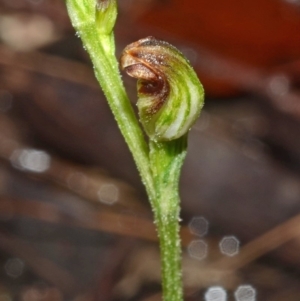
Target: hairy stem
x=159 y=163
x=107 y=73
x=170 y=250
x=166 y=161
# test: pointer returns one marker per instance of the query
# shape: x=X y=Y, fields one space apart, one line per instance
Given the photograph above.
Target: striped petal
x=170 y=95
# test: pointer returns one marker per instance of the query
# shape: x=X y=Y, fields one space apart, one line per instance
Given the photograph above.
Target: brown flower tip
x=170 y=94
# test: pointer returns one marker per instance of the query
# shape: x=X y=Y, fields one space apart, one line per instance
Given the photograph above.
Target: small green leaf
x=81 y=12
x=106 y=15
x=169 y=91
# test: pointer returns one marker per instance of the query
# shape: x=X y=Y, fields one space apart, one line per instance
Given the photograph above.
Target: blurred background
x=75 y=223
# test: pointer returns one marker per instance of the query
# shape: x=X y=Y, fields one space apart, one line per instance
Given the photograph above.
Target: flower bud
x=106 y=15
x=170 y=95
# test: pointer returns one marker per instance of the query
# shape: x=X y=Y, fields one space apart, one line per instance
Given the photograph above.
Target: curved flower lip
x=136 y=63
x=141 y=64
x=170 y=96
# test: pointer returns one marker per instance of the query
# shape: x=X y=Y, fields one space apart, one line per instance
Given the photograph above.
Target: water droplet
x=14 y=267
x=26 y=34
x=289 y=190
x=198 y=226
x=31 y=160
x=197 y=249
x=108 y=194
x=229 y=245
x=215 y=293
x=279 y=85
x=245 y=293
x=77 y=181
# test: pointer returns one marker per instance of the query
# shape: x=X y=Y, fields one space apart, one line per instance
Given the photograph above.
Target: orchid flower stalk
x=170 y=98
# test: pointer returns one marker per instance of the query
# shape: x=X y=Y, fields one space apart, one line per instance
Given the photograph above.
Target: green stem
x=159 y=164
x=166 y=161
x=170 y=250
x=107 y=73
